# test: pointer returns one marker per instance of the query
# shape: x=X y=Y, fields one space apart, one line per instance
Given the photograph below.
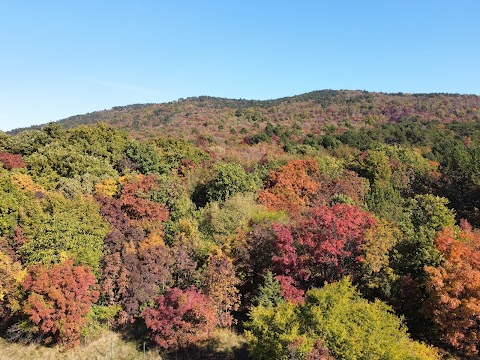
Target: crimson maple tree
x=324 y=246
x=180 y=318
x=11 y=161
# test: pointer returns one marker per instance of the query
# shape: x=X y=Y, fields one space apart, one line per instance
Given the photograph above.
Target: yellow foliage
x=11 y=278
x=153 y=240
x=25 y=183
x=108 y=187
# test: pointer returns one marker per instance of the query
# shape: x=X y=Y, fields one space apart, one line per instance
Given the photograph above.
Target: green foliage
x=330 y=166
x=171 y=192
x=352 y=328
x=429 y=213
x=374 y=165
x=269 y=294
x=349 y=327
x=381 y=152
x=100 y=141
x=271 y=331
x=56 y=228
x=99 y=320
x=57 y=160
x=27 y=142
x=223 y=219
x=144 y=157
x=229 y=179
x=263 y=169
x=174 y=151
x=77 y=186
x=10 y=201
x=377 y=276
x=385 y=201
x=342 y=199
x=425 y=216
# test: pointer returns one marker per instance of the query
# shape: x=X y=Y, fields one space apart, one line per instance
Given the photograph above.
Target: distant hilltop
x=309 y=111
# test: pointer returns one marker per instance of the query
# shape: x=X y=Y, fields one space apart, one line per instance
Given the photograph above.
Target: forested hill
x=330 y=225
x=309 y=111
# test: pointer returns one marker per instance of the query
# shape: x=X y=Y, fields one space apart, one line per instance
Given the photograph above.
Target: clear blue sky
x=62 y=58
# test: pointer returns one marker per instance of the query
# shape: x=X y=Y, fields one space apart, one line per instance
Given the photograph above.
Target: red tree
x=325 y=246
x=180 y=318
x=59 y=298
x=11 y=161
x=137 y=268
x=136 y=203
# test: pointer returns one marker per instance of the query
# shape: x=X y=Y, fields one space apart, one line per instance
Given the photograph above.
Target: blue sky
x=62 y=58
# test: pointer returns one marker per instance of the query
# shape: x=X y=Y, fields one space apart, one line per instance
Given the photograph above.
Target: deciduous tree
x=180 y=318
x=59 y=298
x=324 y=246
x=454 y=290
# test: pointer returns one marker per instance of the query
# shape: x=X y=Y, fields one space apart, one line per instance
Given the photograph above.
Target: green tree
x=56 y=228
x=425 y=215
x=269 y=294
x=10 y=202
x=229 y=179
x=347 y=325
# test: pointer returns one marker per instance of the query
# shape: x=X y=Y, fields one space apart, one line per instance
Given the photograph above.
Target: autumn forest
x=328 y=225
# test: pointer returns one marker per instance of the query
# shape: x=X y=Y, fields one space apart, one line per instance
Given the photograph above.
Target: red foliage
x=319 y=352
x=185 y=166
x=11 y=161
x=289 y=289
x=291 y=187
x=180 y=318
x=133 y=276
x=325 y=246
x=454 y=289
x=137 y=268
x=285 y=247
x=59 y=298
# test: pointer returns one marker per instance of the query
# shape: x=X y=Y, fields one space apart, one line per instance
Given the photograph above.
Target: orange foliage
x=152 y=241
x=136 y=203
x=292 y=186
x=219 y=283
x=59 y=298
x=454 y=289
x=25 y=182
x=11 y=278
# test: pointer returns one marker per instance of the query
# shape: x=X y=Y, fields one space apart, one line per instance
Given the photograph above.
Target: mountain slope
x=311 y=112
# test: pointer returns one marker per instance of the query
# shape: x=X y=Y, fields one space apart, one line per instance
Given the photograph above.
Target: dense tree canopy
x=188 y=220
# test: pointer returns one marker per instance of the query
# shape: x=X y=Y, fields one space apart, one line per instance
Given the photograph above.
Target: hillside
x=312 y=112
x=329 y=225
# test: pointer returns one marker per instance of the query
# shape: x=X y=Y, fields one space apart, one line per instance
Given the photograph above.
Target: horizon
x=64 y=59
